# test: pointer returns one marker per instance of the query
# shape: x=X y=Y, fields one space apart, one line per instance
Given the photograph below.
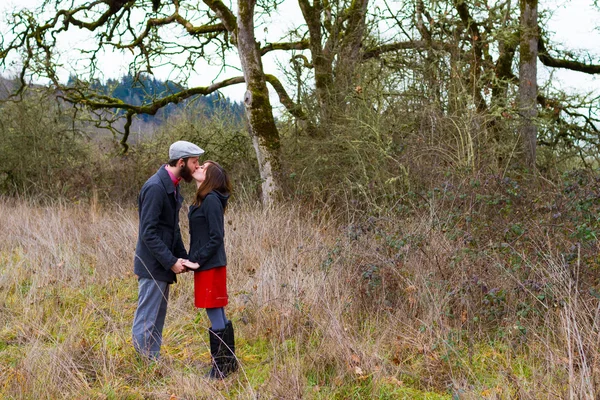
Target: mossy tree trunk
x=528 y=79
x=430 y=68
x=508 y=41
x=322 y=59
x=349 y=55
x=336 y=33
x=263 y=130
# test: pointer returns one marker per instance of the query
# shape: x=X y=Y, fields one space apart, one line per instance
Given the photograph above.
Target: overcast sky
x=573 y=23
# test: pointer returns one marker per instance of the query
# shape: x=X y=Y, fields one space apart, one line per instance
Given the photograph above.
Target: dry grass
x=321 y=309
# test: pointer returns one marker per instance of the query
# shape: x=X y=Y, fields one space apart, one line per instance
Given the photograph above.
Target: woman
x=207 y=259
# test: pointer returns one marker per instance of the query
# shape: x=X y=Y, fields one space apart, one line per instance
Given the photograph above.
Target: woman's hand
x=191 y=265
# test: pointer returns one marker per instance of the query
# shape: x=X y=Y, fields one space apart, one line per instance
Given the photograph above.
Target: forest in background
x=421 y=221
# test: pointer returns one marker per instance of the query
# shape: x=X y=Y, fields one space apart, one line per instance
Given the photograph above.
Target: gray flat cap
x=183 y=149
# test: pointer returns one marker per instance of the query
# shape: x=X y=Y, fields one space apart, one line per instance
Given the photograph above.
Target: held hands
x=183 y=265
x=191 y=265
x=178 y=268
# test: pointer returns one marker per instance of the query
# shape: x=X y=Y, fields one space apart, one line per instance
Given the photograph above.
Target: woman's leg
x=217 y=318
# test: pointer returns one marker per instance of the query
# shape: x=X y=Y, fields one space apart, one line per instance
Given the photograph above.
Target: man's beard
x=186 y=173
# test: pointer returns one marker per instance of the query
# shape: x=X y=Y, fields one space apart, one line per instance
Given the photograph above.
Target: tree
x=459 y=44
x=146 y=31
x=265 y=136
x=336 y=31
x=528 y=78
x=444 y=46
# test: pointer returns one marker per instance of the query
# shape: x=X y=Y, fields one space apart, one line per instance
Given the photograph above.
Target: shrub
x=45 y=152
x=42 y=151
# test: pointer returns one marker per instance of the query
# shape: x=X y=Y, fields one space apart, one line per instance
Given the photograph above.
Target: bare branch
x=301 y=45
x=175 y=17
x=550 y=61
x=114 y=7
x=293 y=108
x=408 y=45
x=95 y=101
x=225 y=15
x=305 y=62
x=473 y=28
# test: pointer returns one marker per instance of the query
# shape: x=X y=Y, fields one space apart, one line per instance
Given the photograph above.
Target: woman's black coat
x=207 y=231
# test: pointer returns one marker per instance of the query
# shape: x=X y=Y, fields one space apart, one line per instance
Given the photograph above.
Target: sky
x=576 y=25
x=573 y=23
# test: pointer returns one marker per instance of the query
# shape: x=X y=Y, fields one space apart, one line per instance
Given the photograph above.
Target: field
x=322 y=309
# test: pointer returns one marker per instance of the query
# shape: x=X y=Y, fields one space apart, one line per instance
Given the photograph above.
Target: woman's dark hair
x=215 y=178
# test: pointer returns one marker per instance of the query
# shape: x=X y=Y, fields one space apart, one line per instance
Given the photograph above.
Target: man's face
x=188 y=168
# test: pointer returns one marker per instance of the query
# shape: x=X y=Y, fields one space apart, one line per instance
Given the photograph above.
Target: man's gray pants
x=149 y=319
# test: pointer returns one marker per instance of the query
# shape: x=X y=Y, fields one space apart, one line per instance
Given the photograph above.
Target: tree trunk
x=349 y=54
x=528 y=78
x=432 y=85
x=322 y=61
x=507 y=45
x=259 y=112
x=335 y=61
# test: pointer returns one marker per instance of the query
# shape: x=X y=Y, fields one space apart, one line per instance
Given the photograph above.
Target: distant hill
x=6 y=87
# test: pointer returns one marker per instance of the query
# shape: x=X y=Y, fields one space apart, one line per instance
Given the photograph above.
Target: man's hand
x=178 y=267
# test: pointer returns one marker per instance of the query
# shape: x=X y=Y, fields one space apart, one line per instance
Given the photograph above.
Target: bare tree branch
x=305 y=62
x=550 y=61
x=97 y=102
x=408 y=45
x=175 y=17
x=224 y=13
x=293 y=108
x=473 y=28
x=301 y=45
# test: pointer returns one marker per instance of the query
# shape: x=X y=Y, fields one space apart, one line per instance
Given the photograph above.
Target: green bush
x=42 y=152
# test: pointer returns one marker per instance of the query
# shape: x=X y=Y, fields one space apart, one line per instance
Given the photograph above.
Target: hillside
x=6 y=87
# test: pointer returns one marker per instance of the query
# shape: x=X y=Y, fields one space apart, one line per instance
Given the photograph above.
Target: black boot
x=232 y=362
x=217 y=352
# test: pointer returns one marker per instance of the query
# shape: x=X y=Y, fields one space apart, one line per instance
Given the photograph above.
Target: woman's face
x=200 y=174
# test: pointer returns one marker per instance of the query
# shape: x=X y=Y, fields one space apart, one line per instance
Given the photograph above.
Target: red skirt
x=210 y=288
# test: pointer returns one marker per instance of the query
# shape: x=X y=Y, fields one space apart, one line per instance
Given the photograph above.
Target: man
x=160 y=254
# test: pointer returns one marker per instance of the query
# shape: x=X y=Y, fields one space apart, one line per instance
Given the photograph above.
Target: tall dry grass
x=322 y=309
